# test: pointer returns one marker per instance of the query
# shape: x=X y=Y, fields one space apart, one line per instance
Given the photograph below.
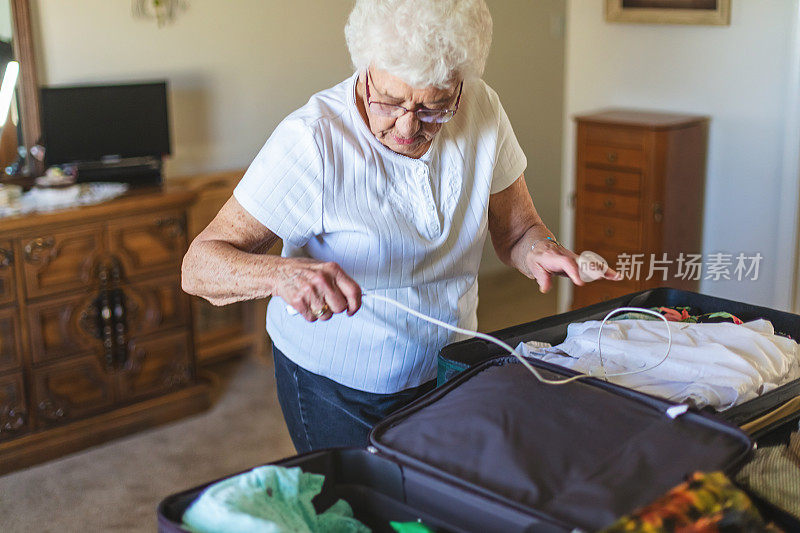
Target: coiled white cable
x=521 y=359
x=638 y=310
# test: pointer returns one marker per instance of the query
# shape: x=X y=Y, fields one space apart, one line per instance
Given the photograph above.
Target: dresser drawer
x=70 y=390
x=156 y=365
x=10 y=353
x=599 y=154
x=609 y=204
x=7 y=291
x=609 y=233
x=615 y=136
x=60 y=261
x=156 y=305
x=14 y=416
x=614 y=181
x=149 y=243
x=63 y=327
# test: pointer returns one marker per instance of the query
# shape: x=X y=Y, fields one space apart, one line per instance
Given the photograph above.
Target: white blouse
x=409 y=229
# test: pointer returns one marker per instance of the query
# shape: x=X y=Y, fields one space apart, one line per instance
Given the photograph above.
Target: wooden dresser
x=640 y=187
x=95 y=331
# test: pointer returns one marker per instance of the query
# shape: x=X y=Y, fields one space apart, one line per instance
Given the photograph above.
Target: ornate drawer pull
x=6 y=258
x=612 y=157
x=609 y=232
x=611 y=181
x=174 y=226
x=88 y=321
x=50 y=411
x=608 y=204
x=658 y=212
x=34 y=249
x=12 y=419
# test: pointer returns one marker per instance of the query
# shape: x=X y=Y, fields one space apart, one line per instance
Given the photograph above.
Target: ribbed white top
x=410 y=229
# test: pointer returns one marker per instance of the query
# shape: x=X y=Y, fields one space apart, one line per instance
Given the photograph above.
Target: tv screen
x=94 y=122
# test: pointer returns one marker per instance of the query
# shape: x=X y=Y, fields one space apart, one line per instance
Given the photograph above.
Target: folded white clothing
x=716 y=364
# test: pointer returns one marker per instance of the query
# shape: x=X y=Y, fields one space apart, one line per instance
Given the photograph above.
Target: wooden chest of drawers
x=95 y=331
x=640 y=187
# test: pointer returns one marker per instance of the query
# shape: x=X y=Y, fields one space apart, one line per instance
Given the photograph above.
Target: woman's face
x=406 y=135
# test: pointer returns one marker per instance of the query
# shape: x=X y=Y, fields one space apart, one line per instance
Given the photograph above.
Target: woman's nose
x=407 y=125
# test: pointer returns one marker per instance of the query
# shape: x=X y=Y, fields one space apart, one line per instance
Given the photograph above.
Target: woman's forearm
x=222 y=274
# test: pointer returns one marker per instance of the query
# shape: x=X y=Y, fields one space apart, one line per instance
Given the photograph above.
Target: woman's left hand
x=548 y=258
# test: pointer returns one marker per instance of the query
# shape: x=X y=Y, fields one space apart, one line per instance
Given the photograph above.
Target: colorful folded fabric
x=706 y=503
x=681 y=314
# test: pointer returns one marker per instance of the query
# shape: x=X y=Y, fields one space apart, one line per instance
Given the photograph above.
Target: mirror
x=10 y=125
x=19 y=106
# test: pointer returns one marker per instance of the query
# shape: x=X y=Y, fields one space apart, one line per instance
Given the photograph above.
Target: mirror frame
x=28 y=89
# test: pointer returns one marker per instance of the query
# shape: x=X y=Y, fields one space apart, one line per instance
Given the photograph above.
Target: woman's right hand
x=316 y=289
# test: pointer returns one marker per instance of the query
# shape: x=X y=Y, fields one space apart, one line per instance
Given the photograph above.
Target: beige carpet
x=116 y=486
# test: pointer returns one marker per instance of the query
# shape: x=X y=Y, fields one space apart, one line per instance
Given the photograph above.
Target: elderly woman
x=384 y=184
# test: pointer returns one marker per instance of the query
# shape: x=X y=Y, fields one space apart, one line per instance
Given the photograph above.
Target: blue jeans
x=321 y=413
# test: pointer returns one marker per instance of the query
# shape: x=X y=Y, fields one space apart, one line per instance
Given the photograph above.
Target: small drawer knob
x=6 y=258
x=35 y=249
x=609 y=232
x=612 y=157
x=608 y=204
x=611 y=181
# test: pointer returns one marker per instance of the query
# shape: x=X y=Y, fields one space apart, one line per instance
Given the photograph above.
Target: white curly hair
x=423 y=42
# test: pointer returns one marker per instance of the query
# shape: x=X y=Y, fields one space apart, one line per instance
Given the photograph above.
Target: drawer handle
x=50 y=410
x=608 y=204
x=611 y=181
x=612 y=157
x=12 y=419
x=658 y=212
x=89 y=321
x=6 y=258
x=34 y=249
x=609 y=232
x=174 y=226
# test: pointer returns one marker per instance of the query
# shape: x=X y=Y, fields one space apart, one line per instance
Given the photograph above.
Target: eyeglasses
x=437 y=116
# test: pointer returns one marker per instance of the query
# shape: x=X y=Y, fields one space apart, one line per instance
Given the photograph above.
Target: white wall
x=526 y=68
x=740 y=75
x=236 y=68
x=5 y=20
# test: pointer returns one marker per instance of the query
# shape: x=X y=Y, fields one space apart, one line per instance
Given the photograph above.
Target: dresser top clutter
x=132 y=201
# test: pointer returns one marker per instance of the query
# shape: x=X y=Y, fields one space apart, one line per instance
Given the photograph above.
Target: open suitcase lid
x=578 y=455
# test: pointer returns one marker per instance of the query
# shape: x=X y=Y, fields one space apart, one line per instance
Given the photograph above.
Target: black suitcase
x=495 y=450
x=767 y=418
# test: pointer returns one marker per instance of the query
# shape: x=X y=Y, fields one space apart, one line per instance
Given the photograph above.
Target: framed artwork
x=708 y=12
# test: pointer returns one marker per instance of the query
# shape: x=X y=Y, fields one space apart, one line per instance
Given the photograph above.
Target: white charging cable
x=521 y=359
x=638 y=310
x=514 y=352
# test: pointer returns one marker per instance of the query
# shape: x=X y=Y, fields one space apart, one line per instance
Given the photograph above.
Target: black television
x=93 y=125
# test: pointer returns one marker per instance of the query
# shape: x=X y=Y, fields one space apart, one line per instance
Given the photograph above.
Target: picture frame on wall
x=703 y=12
